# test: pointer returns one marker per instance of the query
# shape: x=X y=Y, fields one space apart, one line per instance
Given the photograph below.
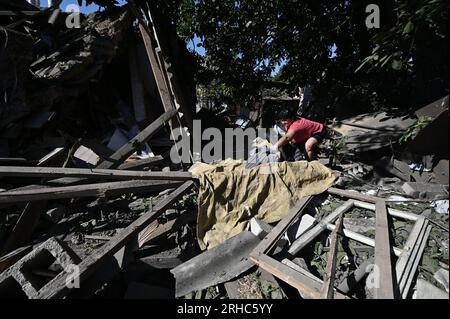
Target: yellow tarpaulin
x=231 y=195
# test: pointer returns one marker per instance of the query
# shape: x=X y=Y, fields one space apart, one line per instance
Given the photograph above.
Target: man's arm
x=284 y=140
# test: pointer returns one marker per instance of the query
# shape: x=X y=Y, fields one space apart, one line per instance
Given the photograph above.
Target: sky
x=85 y=9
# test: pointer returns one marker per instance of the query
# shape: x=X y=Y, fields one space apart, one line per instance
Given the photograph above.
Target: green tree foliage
x=402 y=63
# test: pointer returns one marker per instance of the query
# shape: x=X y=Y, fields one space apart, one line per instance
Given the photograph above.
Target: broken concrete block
x=425 y=190
x=259 y=228
x=300 y=227
x=425 y=290
x=37 y=270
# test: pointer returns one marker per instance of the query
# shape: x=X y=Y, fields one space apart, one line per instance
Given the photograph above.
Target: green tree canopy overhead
x=325 y=43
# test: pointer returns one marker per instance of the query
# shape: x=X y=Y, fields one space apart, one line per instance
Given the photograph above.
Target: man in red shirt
x=303 y=133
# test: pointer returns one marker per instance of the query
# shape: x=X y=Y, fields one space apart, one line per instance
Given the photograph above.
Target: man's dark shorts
x=322 y=135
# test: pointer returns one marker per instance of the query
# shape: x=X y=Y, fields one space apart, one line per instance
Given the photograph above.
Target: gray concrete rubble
x=34 y=271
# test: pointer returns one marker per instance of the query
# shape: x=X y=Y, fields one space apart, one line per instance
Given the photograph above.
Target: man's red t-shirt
x=304 y=129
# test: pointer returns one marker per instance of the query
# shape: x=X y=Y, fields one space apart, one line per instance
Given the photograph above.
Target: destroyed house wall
x=15 y=56
x=75 y=83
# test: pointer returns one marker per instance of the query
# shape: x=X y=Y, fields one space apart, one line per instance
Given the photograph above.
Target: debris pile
x=91 y=205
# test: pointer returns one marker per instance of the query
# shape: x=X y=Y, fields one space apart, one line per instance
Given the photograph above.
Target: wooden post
x=328 y=281
x=88 y=190
x=384 y=284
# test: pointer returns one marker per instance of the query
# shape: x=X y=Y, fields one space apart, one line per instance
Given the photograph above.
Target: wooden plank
x=51 y=156
x=169 y=67
x=289 y=263
x=393 y=212
x=271 y=238
x=383 y=255
x=309 y=287
x=88 y=190
x=142 y=163
x=405 y=287
x=96 y=237
x=407 y=264
x=307 y=237
x=89 y=265
x=411 y=243
x=352 y=195
x=163 y=87
x=305 y=272
x=13 y=257
x=23 y=230
x=95 y=173
x=328 y=282
x=362 y=239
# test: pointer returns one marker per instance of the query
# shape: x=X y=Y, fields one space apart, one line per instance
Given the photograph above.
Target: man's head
x=286 y=117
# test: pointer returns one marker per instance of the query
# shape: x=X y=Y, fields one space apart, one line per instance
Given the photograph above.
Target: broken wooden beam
x=328 y=281
x=408 y=262
x=13 y=257
x=384 y=288
x=47 y=159
x=88 y=190
x=88 y=266
x=352 y=195
x=141 y=163
x=309 y=287
x=391 y=211
x=158 y=69
x=94 y=173
x=337 y=293
x=361 y=238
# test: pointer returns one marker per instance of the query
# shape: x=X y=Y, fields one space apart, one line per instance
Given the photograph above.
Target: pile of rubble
x=92 y=206
x=86 y=117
